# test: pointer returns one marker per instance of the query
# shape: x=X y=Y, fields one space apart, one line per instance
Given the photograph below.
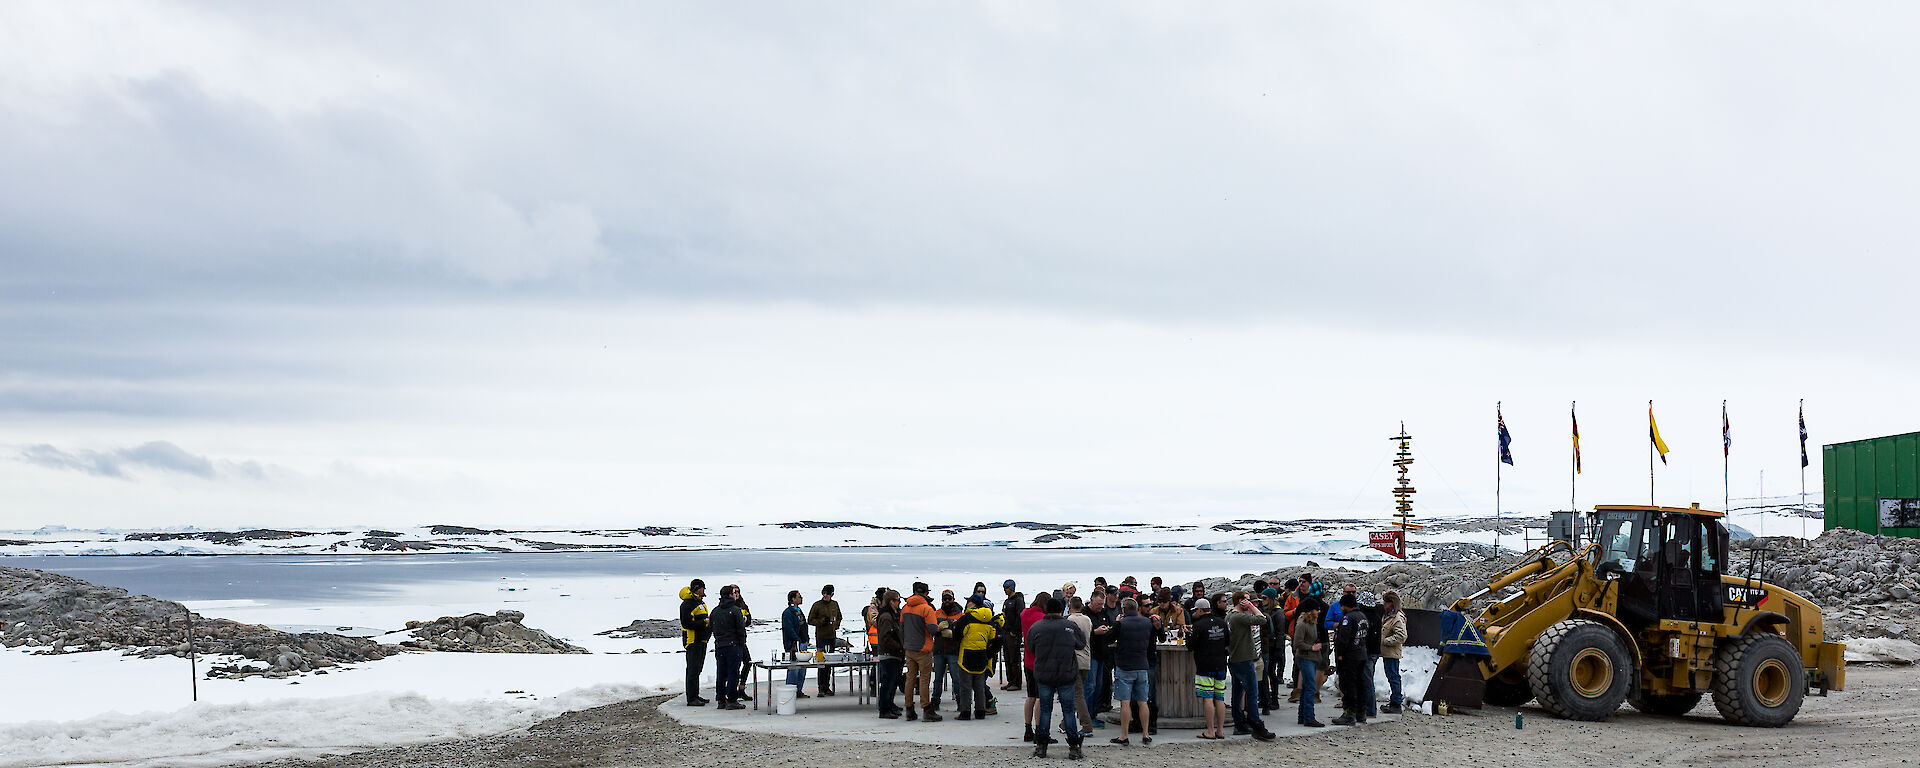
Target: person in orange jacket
x=918 y=622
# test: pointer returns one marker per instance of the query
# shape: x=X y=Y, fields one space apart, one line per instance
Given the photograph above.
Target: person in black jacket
x=1133 y=676
x=1208 y=637
x=695 y=632
x=729 y=647
x=1011 y=636
x=890 y=653
x=1371 y=606
x=1351 y=639
x=1056 y=666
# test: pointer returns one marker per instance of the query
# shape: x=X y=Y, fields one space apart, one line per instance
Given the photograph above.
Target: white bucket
x=784 y=697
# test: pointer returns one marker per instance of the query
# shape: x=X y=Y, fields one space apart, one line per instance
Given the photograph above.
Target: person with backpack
x=793 y=638
x=1371 y=694
x=1208 y=639
x=980 y=634
x=1350 y=643
x=729 y=647
x=696 y=631
x=824 y=617
x=889 y=654
x=1053 y=640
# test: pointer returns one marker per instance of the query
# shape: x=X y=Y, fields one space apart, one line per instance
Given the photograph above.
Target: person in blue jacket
x=793 y=636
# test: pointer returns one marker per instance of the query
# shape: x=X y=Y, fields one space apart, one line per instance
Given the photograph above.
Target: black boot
x=1040 y=750
x=931 y=716
x=1073 y=749
x=1029 y=736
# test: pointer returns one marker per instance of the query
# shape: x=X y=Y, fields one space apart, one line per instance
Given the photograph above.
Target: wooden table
x=1173 y=689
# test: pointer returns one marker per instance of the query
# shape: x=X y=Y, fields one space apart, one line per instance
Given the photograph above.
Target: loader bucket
x=1458 y=682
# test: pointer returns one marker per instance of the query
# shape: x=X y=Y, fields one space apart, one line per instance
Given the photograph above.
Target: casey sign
x=1391 y=542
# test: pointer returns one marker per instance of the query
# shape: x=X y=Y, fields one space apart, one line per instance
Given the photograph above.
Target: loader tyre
x=1665 y=704
x=1580 y=670
x=1758 y=680
x=1502 y=692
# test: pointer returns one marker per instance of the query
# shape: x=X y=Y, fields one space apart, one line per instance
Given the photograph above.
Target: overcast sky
x=635 y=263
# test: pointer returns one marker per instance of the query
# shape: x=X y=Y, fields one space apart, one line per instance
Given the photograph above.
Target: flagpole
x=1803 y=469
x=1496 y=483
x=1573 y=468
x=1650 y=453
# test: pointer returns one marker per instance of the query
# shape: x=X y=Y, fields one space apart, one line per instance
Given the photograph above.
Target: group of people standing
x=1084 y=653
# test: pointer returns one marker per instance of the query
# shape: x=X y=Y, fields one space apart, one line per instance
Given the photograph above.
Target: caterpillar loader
x=1648 y=615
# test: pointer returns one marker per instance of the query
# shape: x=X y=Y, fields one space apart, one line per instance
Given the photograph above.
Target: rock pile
x=500 y=632
x=1867 y=585
x=61 y=614
x=650 y=629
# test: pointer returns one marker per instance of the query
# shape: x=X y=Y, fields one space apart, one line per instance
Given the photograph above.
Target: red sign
x=1391 y=542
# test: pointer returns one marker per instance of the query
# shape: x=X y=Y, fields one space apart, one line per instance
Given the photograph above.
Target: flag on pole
x=1576 y=438
x=1803 y=435
x=1506 y=440
x=1653 y=431
x=1726 y=431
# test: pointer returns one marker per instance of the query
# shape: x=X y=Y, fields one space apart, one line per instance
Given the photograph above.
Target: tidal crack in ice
x=223 y=734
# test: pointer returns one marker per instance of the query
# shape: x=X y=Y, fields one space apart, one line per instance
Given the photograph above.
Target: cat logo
x=1744 y=596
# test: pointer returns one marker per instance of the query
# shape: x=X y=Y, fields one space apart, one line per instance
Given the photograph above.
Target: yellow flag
x=1653 y=430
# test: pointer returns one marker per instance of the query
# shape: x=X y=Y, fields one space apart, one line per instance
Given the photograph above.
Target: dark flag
x=1803 y=434
x=1576 y=438
x=1506 y=440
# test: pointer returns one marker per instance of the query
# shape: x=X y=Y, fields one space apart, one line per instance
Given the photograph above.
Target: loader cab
x=1668 y=561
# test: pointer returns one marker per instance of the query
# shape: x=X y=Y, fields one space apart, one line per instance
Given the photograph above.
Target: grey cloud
x=1592 y=175
x=158 y=455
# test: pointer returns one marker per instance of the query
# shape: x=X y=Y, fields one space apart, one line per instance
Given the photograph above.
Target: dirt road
x=1875 y=723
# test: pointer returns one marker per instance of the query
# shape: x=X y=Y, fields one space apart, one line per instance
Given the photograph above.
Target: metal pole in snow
x=193 y=660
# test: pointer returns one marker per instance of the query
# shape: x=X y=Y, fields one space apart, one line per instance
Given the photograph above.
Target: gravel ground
x=1875 y=723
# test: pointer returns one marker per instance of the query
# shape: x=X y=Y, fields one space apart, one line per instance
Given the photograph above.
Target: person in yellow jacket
x=980 y=634
x=695 y=632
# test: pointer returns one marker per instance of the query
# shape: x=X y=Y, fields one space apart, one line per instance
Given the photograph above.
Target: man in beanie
x=946 y=647
x=1012 y=635
x=824 y=617
x=1273 y=650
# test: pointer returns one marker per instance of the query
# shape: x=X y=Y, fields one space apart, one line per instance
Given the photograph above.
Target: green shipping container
x=1874 y=485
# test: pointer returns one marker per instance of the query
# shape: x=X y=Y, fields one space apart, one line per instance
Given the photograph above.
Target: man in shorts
x=1132 y=660
x=1207 y=639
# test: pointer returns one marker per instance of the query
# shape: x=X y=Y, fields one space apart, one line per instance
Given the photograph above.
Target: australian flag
x=1506 y=440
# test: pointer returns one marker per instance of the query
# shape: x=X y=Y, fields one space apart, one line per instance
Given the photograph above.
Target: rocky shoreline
x=48 y=613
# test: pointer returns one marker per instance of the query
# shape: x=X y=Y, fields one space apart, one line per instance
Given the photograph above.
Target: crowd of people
x=1083 y=654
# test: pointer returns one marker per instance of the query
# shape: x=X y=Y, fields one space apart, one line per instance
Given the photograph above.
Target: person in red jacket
x=1032 y=615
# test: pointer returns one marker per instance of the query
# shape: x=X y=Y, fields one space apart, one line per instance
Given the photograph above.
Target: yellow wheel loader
x=1648 y=615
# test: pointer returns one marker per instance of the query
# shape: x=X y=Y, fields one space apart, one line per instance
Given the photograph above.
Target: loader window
x=1623 y=538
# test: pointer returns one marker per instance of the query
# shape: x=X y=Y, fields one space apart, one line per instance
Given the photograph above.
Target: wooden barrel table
x=1173 y=688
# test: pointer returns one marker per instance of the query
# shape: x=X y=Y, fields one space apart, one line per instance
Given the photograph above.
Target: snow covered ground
x=108 y=710
x=105 y=709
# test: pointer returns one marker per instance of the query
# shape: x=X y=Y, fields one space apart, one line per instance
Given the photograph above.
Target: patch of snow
x=1882 y=650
